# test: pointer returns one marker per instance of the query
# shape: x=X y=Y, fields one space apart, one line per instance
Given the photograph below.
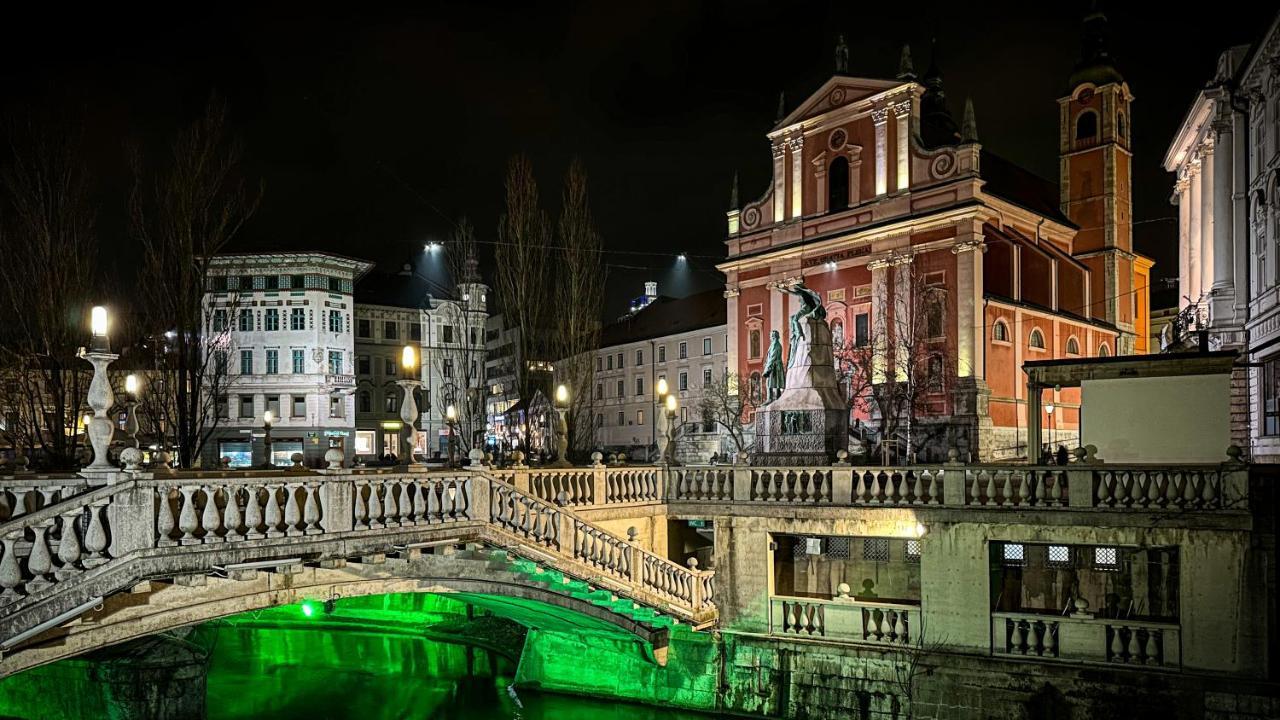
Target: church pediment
x=837 y=92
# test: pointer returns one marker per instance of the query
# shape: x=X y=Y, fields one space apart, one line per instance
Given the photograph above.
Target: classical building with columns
x=1226 y=156
x=882 y=204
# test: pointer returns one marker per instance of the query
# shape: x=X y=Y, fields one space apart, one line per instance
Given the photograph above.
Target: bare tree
x=578 y=283
x=459 y=358
x=899 y=376
x=521 y=271
x=730 y=406
x=50 y=248
x=184 y=214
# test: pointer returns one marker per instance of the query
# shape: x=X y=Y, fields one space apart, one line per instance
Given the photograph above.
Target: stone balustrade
x=1092 y=487
x=846 y=619
x=21 y=494
x=590 y=487
x=1081 y=639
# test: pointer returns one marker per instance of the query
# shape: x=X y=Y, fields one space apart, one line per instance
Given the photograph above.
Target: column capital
x=901 y=108
x=732 y=293
x=880 y=116
x=795 y=142
x=779 y=150
x=1206 y=146
x=965 y=246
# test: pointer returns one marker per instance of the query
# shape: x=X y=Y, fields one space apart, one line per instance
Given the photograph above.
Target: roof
x=668 y=316
x=398 y=289
x=1021 y=187
x=357 y=266
x=1071 y=371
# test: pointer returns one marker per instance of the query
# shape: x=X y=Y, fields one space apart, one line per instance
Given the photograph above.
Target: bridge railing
x=591 y=486
x=51 y=546
x=1102 y=487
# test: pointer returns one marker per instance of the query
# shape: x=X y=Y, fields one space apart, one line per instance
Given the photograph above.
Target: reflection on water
x=299 y=673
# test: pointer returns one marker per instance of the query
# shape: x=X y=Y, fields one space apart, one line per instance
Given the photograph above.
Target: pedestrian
x=1061 y=455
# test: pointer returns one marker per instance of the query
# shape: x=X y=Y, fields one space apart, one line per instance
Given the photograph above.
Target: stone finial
x=335 y=458
x=622 y=458
x=969 y=125
x=488 y=459
x=517 y=458
x=733 y=192
x=953 y=456
x=842 y=457
x=1091 y=454
x=160 y=463
x=782 y=106
x=906 y=68
x=596 y=457
x=132 y=459
x=842 y=55
x=1235 y=455
x=21 y=463
x=692 y=563
x=476 y=458
x=842 y=590
x=296 y=458
x=612 y=459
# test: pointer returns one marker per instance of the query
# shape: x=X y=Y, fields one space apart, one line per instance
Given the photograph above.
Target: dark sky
x=372 y=131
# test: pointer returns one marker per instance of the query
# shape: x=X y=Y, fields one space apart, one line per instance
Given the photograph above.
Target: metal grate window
x=1014 y=554
x=912 y=552
x=876 y=549
x=838 y=547
x=1106 y=558
x=1059 y=556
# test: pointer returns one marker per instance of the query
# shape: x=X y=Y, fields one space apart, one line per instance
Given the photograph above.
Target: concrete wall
x=1168 y=420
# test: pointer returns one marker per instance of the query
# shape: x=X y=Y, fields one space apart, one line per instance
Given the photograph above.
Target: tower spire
x=842 y=55
x=969 y=125
x=733 y=193
x=906 y=69
x=782 y=106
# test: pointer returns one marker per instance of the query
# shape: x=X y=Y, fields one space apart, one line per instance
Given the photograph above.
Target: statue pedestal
x=809 y=421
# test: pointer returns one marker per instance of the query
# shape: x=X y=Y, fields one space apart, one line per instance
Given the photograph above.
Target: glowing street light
x=268 y=418
x=662 y=387
x=409 y=414
x=131 y=385
x=562 y=395
x=101 y=398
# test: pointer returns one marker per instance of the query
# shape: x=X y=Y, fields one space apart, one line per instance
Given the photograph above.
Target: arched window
x=1087 y=125
x=753 y=344
x=935 y=373
x=1000 y=332
x=1037 y=339
x=1073 y=346
x=1121 y=127
x=366 y=403
x=1103 y=350
x=838 y=184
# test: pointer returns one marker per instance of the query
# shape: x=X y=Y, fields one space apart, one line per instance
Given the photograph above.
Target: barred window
x=1059 y=556
x=838 y=547
x=1014 y=554
x=1105 y=558
x=912 y=551
x=876 y=549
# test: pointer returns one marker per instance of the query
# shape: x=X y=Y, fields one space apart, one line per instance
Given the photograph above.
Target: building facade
x=1226 y=157
x=682 y=341
x=446 y=330
x=947 y=265
x=289 y=351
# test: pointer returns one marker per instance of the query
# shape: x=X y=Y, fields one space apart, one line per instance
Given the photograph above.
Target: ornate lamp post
x=451 y=419
x=409 y=414
x=660 y=418
x=673 y=404
x=1049 y=408
x=562 y=426
x=267 y=419
x=101 y=398
x=131 y=409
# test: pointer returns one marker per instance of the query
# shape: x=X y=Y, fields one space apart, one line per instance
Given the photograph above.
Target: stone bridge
x=86 y=566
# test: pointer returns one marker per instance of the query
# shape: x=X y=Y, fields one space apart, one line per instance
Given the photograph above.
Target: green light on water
x=308 y=609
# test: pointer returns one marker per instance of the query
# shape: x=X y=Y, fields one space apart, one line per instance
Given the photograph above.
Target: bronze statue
x=774 y=374
x=810 y=305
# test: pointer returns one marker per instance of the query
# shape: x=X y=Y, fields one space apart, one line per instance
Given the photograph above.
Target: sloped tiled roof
x=668 y=316
x=1021 y=187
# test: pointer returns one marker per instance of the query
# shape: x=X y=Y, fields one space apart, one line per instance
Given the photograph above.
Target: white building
x=683 y=341
x=446 y=328
x=290 y=351
x=1227 y=159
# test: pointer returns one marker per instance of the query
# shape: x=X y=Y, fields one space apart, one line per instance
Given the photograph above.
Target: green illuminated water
x=376 y=658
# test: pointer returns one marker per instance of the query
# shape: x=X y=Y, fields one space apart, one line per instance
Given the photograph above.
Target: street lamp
x=1049 y=408
x=660 y=417
x=451 y=418
x=409 y=407
x=673 y=405
x=101 y=398
x=131 y=409
x=268 y=418
x=562 y=426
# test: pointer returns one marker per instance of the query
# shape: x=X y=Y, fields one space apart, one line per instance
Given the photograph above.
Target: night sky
x=372 y=133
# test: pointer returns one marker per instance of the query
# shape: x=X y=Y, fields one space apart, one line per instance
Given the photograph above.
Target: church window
x=934 y=373
x=1073 y=346
x=1086 y=125
x=1103 y=350
x=755 y=387
x=1121 y=127
x=1037 y=339
x=838 y=184
x=1000 y=332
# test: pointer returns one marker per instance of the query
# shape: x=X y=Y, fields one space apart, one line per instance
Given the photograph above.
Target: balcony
x=845 y=619
x=1087 y=639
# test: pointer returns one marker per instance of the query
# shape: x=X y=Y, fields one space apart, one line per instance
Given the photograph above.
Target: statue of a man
x=810 y=305
x=774 y=374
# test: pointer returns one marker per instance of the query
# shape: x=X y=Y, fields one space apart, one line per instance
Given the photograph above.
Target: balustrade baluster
x=273 y=512
x=292 y=513
x=892 y=490
x=375 y=505
x=164 y=517
x=860 y=487
x=187 y=521
x=39 y=562
x=10 y=570
x=311 y=509
x=69 y=550
x=1210 y=496
x=902 y=631
x=1051 y=640
x=1024 y=488
x=1022 y=630
x=211 y=520
x=231 y=513
x=253 y=512
x=986 y=480
x=95 y=537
